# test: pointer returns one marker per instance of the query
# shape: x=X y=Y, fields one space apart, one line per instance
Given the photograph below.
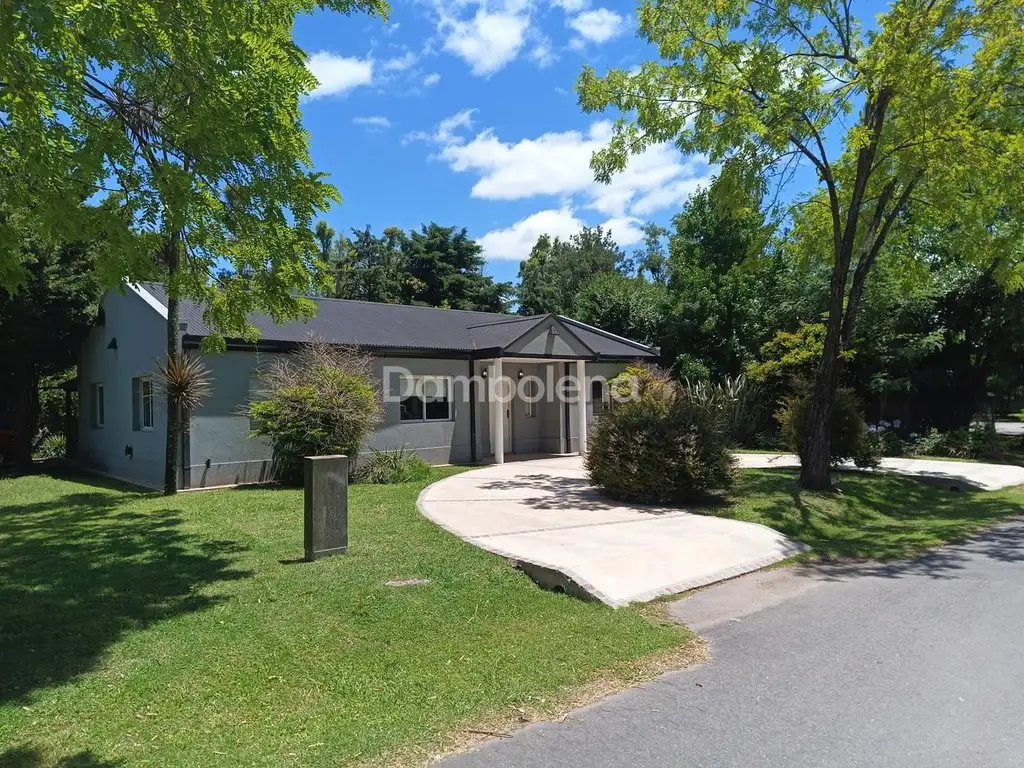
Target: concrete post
x=581 y=404
x=326 y=518
x=497 y=412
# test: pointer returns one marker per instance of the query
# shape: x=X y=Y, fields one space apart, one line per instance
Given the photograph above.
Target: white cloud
x=432 y=79
x=599 y=25
x=400 y=63
x=542 y=54
x=625 y=229
x=488 y=41
x=338 y=74
x=514 y=243
x=376 y=122
x=570 y=6
x=558 y=164
x=445 y=134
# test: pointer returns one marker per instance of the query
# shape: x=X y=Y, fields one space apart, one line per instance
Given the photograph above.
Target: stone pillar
x=497 y=412
x=326 y=523
x=581 y=404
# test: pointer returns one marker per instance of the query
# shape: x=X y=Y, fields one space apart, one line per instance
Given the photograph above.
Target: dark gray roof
x=400 y=326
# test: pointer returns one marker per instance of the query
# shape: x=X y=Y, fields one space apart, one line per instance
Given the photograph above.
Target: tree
x=633 y=307
x=760 y=84
x=42 y=325
x=723 y=281
x=375 y=267
x=551 y=278
x=446 y=270
x=186 y=115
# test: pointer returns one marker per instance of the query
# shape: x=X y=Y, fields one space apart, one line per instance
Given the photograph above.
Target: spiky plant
x=185 y=380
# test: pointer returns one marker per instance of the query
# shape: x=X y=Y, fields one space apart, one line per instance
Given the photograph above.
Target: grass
x=877 y=516
x=142 y=630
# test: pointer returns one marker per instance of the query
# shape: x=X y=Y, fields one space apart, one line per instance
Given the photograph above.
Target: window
x=598 y=396
x=142 y=403
x=530 y=397
x=426 y=398
x=96 y=404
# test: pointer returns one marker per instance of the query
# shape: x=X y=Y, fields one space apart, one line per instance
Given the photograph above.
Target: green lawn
x=878 y=516
x=141 y=630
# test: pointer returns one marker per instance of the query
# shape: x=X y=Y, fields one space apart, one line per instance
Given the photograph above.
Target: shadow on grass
x=79 y=570
x=22 y=757
x=880 y=517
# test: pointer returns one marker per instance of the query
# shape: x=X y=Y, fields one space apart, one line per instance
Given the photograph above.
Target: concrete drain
x=405 y=582
x=550 y=579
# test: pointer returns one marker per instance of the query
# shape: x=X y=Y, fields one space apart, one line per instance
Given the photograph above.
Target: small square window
x=425 y=398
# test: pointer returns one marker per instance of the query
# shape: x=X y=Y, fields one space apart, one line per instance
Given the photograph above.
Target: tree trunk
x=173 y=262
x=816 y=460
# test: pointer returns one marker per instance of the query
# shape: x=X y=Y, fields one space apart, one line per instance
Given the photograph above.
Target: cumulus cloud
x=598 y=26
x=542 y=53
x=446 y=132
x=432 y=79
x=487 y=41
x=558 y=164
x=338 y=74
x=514 y=243
x=626 y=230
x=375 y=122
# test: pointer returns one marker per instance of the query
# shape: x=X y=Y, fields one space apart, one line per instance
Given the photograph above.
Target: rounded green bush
x=849 y=436
x=658 y=450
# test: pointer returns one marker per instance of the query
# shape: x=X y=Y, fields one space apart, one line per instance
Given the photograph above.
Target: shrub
x=739 y=401
x=642 y=382
x=885 y=440
x=389 y=467
x=317 y=401
x=660 y=449
x=981 y=441
x=849 y=438
x=53 y=446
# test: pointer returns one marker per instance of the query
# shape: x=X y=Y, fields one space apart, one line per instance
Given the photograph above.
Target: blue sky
x=463 y=112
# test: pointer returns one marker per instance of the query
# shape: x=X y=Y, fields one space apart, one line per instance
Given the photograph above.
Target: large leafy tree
x=551 y=278
x=446 y=270
x=919 y=113
x=42 y=326
x=186 y=115
x=633 y=307
x=724 y=283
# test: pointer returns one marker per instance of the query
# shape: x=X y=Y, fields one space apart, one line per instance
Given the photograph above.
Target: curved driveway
x=544 y=514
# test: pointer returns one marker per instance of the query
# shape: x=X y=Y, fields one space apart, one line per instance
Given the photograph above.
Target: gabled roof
x=404 y=327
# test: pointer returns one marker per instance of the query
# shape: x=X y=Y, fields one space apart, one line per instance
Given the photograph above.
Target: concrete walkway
x=544 y=514
x=985 y=477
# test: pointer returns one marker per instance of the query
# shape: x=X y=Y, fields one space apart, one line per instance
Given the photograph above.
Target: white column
x=497 y=412
x=581 y=404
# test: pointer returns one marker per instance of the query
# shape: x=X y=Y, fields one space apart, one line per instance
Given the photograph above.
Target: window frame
x=97 y=405
x=530 y=398
x=417 y=392
x=601 y=404
x=140 y=400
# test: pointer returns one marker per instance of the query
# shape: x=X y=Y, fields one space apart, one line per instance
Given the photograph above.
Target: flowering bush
x=850 y=433
x=885 y=438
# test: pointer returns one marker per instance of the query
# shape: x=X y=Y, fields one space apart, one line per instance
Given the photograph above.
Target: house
x=437 y=367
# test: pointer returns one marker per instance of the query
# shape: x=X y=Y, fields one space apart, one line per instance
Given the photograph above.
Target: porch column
x=497 y=413
x=581 y=404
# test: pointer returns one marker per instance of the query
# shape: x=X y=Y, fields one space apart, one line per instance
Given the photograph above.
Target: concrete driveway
x=545 y=515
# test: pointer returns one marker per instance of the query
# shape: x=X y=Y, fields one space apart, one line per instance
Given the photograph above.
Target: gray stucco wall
x=141 y=335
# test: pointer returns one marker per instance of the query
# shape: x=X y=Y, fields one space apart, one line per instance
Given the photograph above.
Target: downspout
x=472 y=413
x=567 y=412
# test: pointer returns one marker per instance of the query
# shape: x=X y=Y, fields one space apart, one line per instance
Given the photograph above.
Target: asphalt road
x=911 y=665
x=1010 y=427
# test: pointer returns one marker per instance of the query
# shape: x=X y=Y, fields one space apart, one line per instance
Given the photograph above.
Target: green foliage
x=979 y=441
x=319 y=400
x=550 y=280
x=53 y=446
x=643 y=382
x=722 y=286
x=739 y=401
x=42 y=326
x=660 y=448
x=389 y=467
x=632 y=307
x=185 y=118
x=185 y=381
x=849 y=433
x=435 y=267
x=790 y=357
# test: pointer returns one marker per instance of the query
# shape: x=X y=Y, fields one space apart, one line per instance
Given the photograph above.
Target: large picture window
x=426 y=398
x=142 y=403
